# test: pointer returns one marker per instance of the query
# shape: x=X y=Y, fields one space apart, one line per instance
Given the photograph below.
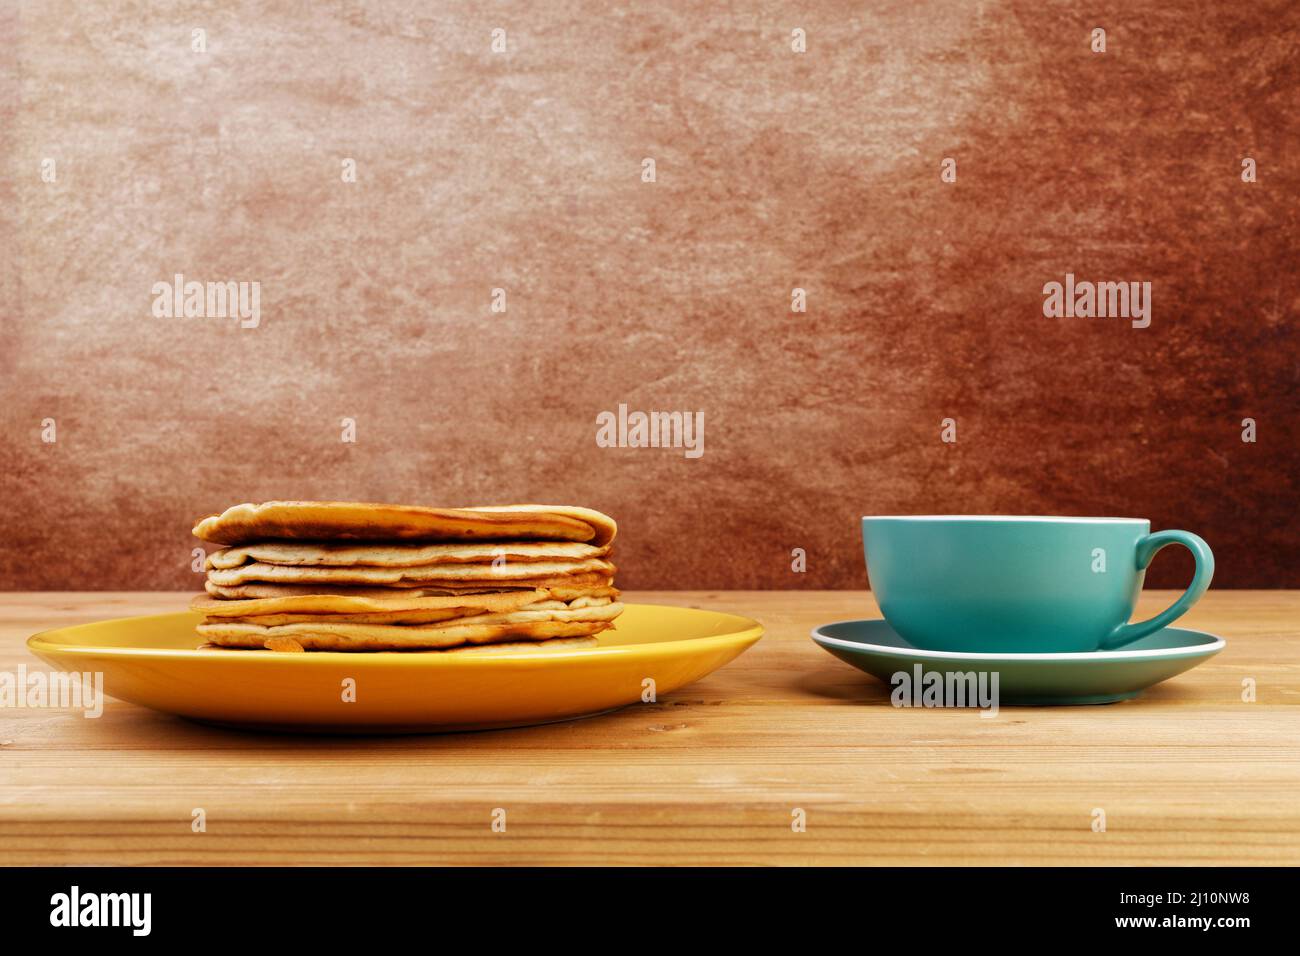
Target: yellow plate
x=155 y=661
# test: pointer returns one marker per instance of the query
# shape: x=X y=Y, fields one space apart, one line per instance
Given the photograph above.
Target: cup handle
x=1146 y=550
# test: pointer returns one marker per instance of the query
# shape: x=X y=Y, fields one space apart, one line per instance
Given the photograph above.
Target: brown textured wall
x=522 y=170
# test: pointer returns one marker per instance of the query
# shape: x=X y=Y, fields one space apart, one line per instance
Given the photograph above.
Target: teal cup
x=1018 y=584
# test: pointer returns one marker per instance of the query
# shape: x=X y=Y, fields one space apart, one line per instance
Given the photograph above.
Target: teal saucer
x=1093 y=677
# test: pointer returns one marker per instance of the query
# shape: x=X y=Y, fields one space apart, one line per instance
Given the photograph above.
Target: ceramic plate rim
x=1118 y=654
x=747 y=631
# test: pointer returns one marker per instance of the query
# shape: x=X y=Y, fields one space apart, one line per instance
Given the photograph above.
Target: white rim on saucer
x=1118 y=653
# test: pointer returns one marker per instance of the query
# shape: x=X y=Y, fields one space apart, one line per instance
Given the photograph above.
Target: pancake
x=365 y=521
x=572 y=594
x=284 y=644
x=446 y=615
x=243 y=591
x=353 y=576
x=538 y=625
x=389 y=602
x=402 y=555
x=454 y=574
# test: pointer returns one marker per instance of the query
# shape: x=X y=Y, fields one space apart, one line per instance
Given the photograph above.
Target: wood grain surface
x=1187 y=774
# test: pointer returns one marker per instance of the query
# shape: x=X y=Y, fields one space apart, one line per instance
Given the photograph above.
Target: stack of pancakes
x=350 y=576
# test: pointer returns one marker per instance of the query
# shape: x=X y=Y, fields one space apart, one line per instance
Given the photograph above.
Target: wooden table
x=1189 y=773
